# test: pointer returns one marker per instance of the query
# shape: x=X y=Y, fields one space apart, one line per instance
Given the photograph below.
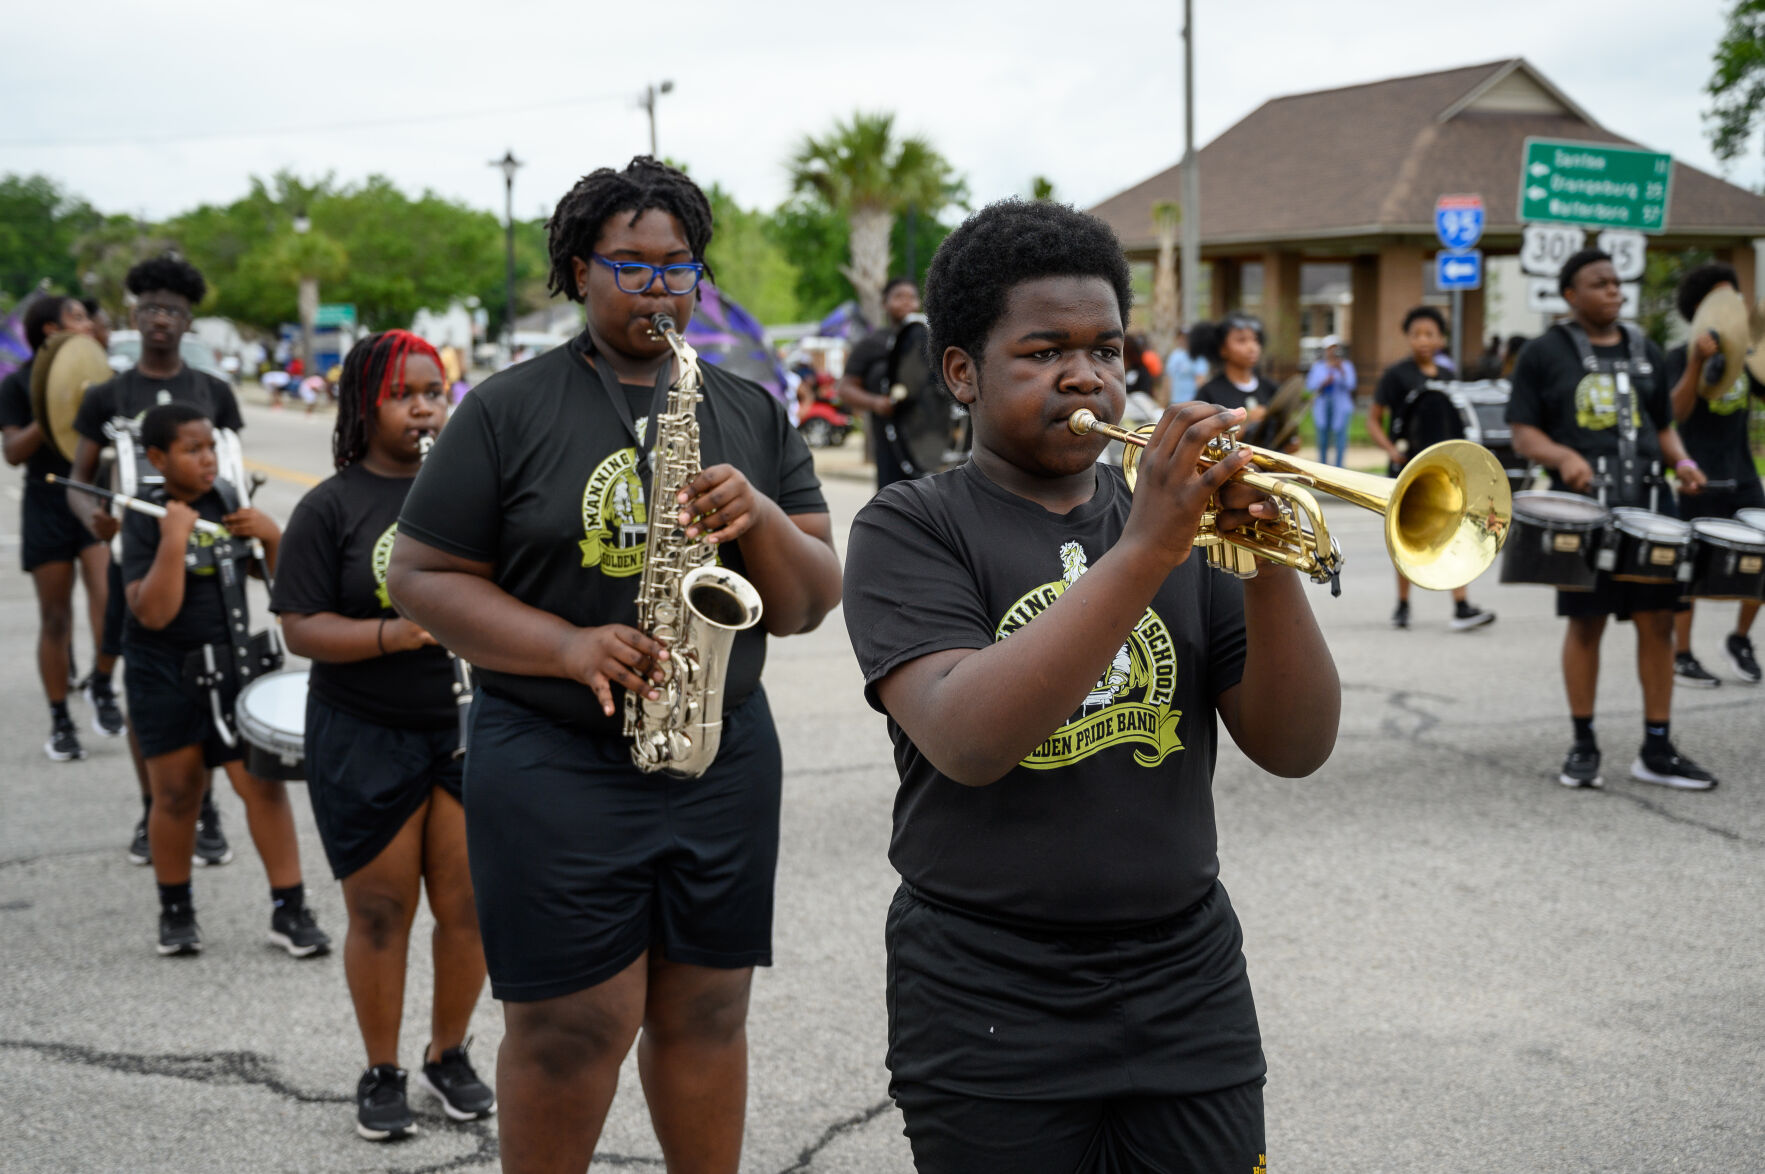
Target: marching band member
x=52 y=543
x=182 y=583
x=382 y=736
x=1715 y=436
x=1590 y=403
x=167 y=291
x=1066 y=984
x=612 y=900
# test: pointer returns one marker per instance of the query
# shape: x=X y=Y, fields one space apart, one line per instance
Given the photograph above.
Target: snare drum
x=271 y=713
x=1752 y=517
x=1646 y=547
x=1554 y=539
x=1727 y=560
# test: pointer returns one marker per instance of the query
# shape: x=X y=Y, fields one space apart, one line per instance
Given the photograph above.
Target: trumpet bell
x=1447 y=514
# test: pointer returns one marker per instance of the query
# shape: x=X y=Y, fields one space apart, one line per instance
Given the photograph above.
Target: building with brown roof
x=1350 y=176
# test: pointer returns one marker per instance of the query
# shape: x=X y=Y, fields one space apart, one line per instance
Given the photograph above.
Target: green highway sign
x=1594 y=183
x=334 y=314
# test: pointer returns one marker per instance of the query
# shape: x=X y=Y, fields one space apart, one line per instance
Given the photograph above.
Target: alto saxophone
x=685 y=601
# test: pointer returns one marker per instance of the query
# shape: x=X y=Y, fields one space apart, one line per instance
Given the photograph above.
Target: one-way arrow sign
x=1459 y=270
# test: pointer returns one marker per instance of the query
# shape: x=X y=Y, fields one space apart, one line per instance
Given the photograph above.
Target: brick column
x=1400 y=289
x=1280 y=309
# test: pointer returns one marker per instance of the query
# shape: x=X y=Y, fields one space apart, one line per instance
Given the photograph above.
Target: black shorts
x=1620 y=598
x=983 y=1009
x=580 y=863
x=48 y=530
x=116 y=612
x=167 y=712
x=366 y=780
x=1722 y=503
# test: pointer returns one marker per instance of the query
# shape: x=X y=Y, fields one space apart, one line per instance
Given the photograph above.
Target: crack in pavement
x=837 y=1129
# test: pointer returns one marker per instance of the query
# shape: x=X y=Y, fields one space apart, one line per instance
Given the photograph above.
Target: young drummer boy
x=177 y=578
x=1066 y=983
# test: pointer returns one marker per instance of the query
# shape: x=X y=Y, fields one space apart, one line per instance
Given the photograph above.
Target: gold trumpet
x=1446 y=515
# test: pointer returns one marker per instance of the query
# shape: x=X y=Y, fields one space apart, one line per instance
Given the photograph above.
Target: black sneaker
x=1669 y=769
x=178 y=933
x=1466 y=616
x=455 y=1084
x=1687 y=671
x=1739 y=650
x=301 y=936
x=1582 y=767
x=107 y=715
x=212 y=848
x=381 y=1113
x=140 y=850
x=1401 y=617
x=63 y=744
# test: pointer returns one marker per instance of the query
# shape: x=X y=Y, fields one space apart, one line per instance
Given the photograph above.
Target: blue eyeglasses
x=635 y=277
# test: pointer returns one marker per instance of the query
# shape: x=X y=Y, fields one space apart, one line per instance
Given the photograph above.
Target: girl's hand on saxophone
x=718 y=503
x=615 y=654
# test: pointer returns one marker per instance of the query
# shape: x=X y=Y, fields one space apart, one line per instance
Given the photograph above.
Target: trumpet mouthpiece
x=1082 y=421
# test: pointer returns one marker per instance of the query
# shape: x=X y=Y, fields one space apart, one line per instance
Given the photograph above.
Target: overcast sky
x=152 y=108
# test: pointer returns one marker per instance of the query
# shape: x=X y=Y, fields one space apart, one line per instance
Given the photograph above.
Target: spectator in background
x=1143 y=365
x=1488 y=365
x=1183 y=369
x=1516 y=343
x=1332 y=381
x=1201 y=337
x=100 y=322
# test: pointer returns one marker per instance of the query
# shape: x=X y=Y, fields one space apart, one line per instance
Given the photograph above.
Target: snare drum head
x=1751 y=517
x=1548 y=507
x=1732 y=534
x=1650 y=527
x=273 y=708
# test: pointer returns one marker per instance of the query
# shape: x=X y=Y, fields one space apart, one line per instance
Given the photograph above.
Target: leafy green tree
x=1737 y=81
x=750 y=264
x=1041 y=188
x=816 y=239
x=39 y=224
x=107 y=252
x=862 y=171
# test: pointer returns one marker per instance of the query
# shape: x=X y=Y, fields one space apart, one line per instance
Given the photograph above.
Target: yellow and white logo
x=615 y=523
x=1596 y=403
x=1733 y=400
x=1131 y=703
x=382 y=558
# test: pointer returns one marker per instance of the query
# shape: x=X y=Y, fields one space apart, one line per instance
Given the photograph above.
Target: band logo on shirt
x=200 y=540
x=1733 y=400
x=1131 y=703
x=380 y=561
x=1596 y=403
x=615 y=523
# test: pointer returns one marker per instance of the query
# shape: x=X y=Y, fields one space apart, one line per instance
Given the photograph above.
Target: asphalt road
x=1459 y=965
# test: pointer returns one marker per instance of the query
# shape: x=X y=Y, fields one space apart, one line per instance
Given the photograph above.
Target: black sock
x=58 y=710
x=1583 y=731
x=174 y=896
x=1654 y=738
x=292 y=898
x=99 y=677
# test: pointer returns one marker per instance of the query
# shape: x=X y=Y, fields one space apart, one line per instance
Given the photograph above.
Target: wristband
x=380 y=636
x=1680 y=466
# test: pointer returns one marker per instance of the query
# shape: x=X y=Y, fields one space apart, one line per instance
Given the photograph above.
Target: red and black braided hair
x=373 y=372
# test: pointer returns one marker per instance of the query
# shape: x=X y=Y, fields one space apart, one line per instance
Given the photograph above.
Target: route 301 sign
x=1544 y=248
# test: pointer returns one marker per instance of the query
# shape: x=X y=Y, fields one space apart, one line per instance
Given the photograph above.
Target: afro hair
x=170 y=273
x=1004 y=245
x=1696 y=285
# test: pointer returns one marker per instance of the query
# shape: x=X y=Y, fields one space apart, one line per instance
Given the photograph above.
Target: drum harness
x=1629 y=483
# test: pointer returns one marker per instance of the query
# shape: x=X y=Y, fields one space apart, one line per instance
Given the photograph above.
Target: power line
x=314 y=128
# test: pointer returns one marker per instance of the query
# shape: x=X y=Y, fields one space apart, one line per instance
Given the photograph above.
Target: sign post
x=1458 y=223
x=334 y=314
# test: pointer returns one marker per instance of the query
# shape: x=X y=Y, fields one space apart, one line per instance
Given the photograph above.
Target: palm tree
x=1166 y=216
x=869 y=176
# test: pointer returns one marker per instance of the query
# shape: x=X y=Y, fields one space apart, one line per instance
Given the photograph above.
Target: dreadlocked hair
x=602 y=194
x=372 y=371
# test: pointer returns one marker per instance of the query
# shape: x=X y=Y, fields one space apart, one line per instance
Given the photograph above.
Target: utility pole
x=509 y=165
x=1191 y=225
x=308 y=302
x=648 y=102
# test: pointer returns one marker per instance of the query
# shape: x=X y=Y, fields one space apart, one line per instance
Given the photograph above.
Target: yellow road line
x=294 y=475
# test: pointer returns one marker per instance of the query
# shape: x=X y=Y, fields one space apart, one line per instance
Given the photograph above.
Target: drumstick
x=134 y=503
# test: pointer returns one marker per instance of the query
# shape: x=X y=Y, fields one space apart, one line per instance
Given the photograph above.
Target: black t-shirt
x=1109 y=821
x=869 y=360
x=131 y=395
x=1578 y=409
x=333 y=558
x=536 y=475
x=15 y=412
x=203 y=618
x=1420 y=415
x=1222 y=391
x=1715 y=434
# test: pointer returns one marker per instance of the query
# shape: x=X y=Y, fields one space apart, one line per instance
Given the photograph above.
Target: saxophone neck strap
x=615 y=393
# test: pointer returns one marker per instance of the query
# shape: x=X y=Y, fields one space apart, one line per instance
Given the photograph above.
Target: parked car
x=125 y=352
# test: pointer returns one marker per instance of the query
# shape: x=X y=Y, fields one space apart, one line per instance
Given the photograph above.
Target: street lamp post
x=648 y=102
x=510 y=165
x=1191 y=226
x=309 y=302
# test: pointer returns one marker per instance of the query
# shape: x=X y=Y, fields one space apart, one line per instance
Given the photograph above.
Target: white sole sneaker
x=287 y=943
x=1466 y=623
x=1640 y=771
x=1695 y=682
x=422 y=1081
x=61 y=756
x=384 y=1134
x=1595 y=782
x=1739 y=672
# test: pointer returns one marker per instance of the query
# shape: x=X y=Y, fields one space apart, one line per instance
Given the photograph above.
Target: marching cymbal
x=66 y=366
x=1724 y=313
x=1756 y=356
